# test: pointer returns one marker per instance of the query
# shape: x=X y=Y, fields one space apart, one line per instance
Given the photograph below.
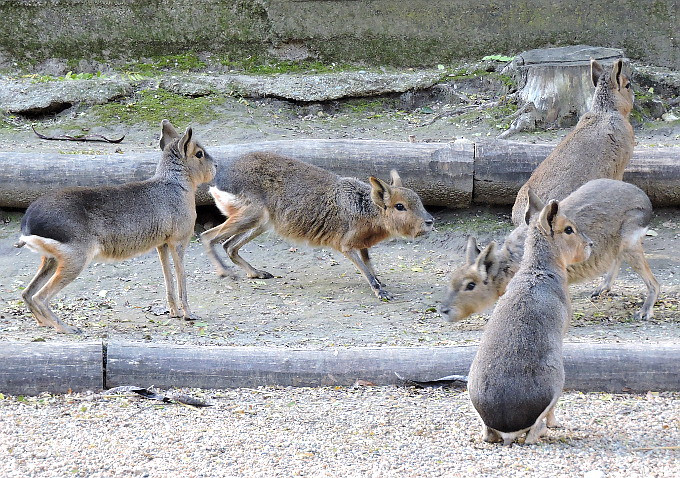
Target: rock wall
x=417 y=32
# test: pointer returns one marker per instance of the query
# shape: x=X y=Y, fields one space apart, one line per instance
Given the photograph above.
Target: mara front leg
x=177 y=251
x=171 y=294
x=354 y=256
x=367 y=260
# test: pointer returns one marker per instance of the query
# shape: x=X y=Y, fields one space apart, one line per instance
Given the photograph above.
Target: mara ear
x=534 y=205
x=184 y=142
x=380 y=192
x=168 y=134
x=596 y=71
x=487 y=262
x=617 y=69
x=547 y=217
x=471 y=251
x=396 y=179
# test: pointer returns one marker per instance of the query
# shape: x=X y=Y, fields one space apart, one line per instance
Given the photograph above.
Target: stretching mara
x=600 y=146
x=306 y=203
x=614 y=214
x=517 y=374
x=71 y=227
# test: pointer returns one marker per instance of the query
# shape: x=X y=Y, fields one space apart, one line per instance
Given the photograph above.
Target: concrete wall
x=414 y=32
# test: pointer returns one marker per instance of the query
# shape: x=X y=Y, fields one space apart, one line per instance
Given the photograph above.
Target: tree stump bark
x=554 y=85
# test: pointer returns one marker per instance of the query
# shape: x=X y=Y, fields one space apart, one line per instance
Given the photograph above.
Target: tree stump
x=555 y=86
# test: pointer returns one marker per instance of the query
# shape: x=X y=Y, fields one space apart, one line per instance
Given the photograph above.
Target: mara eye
x=568 y=230
x=470 y=286
x=199 y=154
x=627 y=85
x=400 y=207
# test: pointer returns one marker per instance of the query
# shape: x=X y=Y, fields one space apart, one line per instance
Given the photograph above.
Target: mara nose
x=444 y=310
x=429 y=220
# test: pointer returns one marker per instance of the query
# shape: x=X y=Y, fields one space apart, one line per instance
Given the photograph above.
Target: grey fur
x=306 y=203
x=517 y=374
x=74 y=226
x=599 y=146
x=614 y=214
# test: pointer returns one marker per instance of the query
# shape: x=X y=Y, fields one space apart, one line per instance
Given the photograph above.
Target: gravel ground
x=355 y=431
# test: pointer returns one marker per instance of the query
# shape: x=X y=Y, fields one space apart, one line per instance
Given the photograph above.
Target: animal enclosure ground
x=318 y=299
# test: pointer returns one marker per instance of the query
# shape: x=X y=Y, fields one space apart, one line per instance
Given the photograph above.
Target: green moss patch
x=150 y=106
x=185 y=62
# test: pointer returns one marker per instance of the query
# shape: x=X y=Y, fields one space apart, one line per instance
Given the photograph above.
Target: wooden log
x=502 y=167
x=233 y=367
x=444 y=174
x=621 y=367
x=26 y=176
x=441 y=173
x=588 y=367
x=36 y=367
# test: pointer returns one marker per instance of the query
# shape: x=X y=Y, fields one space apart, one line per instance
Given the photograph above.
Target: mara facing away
x=517 y=375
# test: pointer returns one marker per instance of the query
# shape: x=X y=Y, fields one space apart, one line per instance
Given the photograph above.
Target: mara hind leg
x=47 y=267
x=490 y=435
x=635 y=257
x=538 y=429
x=550 y=419
x=67 y=269
x=239 y=222
x=236 y=242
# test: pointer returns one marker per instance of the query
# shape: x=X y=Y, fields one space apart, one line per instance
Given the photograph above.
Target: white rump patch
x=223 y=199
x=41 y=245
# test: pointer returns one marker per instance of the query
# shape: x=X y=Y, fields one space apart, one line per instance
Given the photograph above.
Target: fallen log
x=588 y=367
x=453 y=175
x=36 y=367
x=33 y=368
x=502 y=167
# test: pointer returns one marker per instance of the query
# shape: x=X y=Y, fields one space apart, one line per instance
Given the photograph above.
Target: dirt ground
x=317 y=298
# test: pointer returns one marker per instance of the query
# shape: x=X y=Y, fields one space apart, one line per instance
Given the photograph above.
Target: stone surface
x=28 y=98
x=418 y=32
x=323 y=87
